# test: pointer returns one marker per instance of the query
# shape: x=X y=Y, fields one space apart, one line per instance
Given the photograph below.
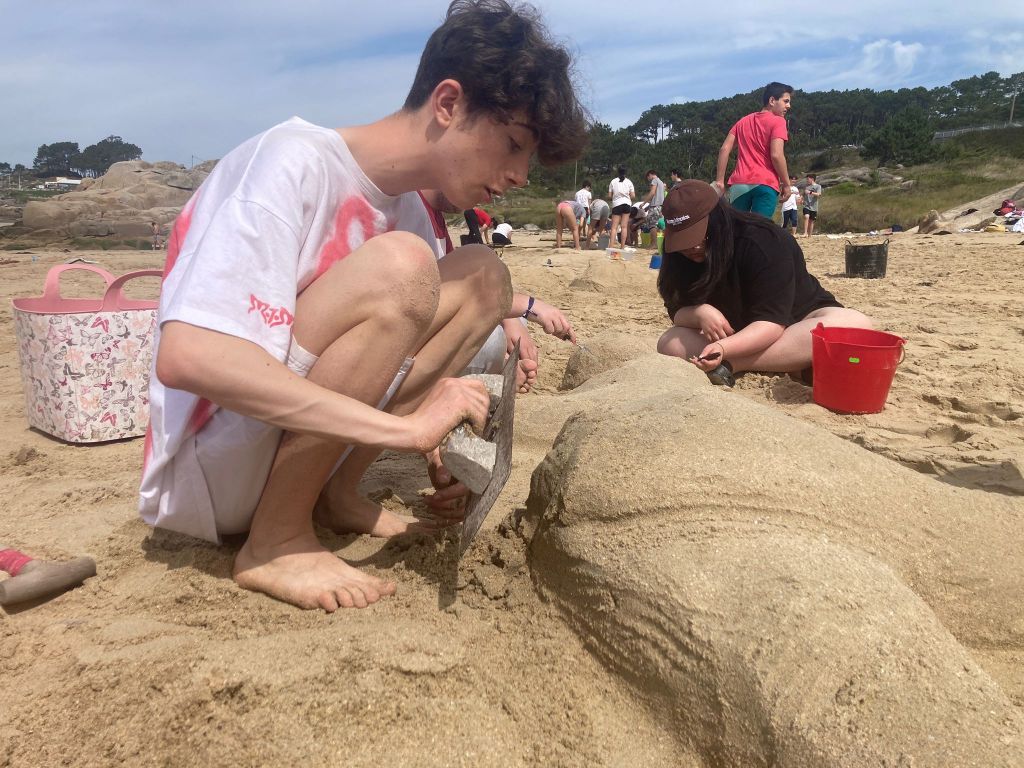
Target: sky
x=186 y=81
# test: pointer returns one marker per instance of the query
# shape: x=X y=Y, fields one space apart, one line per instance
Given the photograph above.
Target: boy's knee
x=409 y=267
x=486 y=278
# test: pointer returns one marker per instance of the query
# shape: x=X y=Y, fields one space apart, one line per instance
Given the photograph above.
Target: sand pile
x=602 y=353
x=787 y=605
x=602 y=275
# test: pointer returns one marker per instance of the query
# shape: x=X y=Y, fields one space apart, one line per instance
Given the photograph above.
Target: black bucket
x=866 y=260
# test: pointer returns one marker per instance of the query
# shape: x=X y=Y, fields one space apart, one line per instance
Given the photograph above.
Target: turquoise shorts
x=759 y=198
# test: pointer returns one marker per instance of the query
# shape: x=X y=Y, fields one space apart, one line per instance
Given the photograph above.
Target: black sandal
x=804 y=376
x=722 y=375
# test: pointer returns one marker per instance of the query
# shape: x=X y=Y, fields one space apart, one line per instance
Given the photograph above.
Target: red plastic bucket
x=854 y=367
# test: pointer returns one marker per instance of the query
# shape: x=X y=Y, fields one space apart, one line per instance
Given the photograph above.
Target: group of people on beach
x=588 y=216
x=758 y=183
x=314 y=311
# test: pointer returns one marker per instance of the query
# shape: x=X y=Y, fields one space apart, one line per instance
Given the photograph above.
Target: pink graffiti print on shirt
x=272 y=316
x=354 y=224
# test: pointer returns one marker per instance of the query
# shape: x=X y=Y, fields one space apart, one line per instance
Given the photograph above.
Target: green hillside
x=967 y=167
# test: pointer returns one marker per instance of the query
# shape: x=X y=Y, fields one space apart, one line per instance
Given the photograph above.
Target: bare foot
x=526 y=375
x=301 y=572
x=352 y=513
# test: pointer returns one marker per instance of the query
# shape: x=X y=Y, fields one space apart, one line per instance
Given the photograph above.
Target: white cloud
x=880 y=64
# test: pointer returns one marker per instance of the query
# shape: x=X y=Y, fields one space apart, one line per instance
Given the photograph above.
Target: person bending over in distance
x=637 y=219
x=599 y=215
x=300 y=294
x=502 y=234
x=568 y=215
x=760 y=139
x=738 y=291
x=621 y=194
x=479 y=223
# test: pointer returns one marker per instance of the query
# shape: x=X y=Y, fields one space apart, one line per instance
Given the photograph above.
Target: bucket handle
x=821 y=327
x=51 y=288
x=850 y=242
x=114 y=299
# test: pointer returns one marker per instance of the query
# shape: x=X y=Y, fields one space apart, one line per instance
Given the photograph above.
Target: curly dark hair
x=505 y=61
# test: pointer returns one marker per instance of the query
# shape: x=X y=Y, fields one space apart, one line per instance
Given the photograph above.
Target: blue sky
x=193 y=79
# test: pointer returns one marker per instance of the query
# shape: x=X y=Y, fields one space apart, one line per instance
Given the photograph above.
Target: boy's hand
x=713 y=324
x=449 y=403
x=450 y=495
x=553 y=319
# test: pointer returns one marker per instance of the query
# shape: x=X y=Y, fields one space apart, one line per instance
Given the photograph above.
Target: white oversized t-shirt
x=275 y=214
x=583 y=197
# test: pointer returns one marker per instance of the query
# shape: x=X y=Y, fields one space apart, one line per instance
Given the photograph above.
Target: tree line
x=890 y=126
x=64 y=158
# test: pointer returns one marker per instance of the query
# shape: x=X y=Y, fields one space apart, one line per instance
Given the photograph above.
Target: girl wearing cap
x=738 y=291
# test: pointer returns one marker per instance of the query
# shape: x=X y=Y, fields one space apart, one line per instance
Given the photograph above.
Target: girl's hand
x=713 y=324
x=710 y=357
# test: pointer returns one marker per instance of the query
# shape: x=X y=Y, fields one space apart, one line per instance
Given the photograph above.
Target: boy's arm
x=551 y=318
x=723 y=160
x=649 y=197
x=778 y=154
x=239 y=375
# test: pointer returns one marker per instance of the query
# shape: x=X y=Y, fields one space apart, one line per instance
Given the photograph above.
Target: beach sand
x=161 y=660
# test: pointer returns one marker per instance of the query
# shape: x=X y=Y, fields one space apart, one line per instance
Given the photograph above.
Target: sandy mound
x=787 y=604
x=602 y=353
x=603 y=275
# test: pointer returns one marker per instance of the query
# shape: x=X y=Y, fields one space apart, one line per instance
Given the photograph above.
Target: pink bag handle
x=51 y=288
x=114 y=299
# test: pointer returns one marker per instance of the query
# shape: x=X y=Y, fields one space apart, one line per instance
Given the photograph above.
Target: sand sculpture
x=779 y=595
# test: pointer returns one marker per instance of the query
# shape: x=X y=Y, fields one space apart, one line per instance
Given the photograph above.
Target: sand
x=803 y=589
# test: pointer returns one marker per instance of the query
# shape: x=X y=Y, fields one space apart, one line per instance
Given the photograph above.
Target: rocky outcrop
x=932 y=224
x=858 y=176
x=121 y=203
x=977 y=213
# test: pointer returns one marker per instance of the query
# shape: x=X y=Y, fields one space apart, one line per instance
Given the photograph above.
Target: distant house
x=61 y=183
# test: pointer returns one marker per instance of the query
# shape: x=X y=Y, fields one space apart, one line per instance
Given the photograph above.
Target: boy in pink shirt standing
x=761 y=170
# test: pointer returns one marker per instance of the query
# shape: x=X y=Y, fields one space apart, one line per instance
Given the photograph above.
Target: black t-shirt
x=767 y=280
